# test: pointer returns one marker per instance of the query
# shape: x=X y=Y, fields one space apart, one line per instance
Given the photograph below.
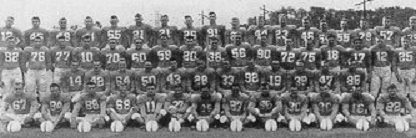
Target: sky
x=50 y=11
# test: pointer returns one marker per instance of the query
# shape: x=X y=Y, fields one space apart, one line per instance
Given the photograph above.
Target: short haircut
x=35 y=18
x=91 y=83
x=55 y=85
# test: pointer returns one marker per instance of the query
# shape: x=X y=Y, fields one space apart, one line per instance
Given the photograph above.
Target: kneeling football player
x=325 y=106
x=265 y=107
x=359 y=109
x=390 y=105
x=19 y=109
x=235 y=105
x=150 y=105
x=205 y=109
x=94 y=106
x=295 y=107
x=55 y=108
x=121 y=108
x=177 y=106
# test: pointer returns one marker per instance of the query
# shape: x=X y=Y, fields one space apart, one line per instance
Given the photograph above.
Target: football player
x=282 y=31
x=310 y=56
x=235 y=30
x=239 y=53
x=382 y=66
x=177 y=105
x=150 y=105
x=405 y=61
x=172 y=79
x=61 y=58
x=141 y=31
x=189 y=31
x=213 y=30
x=276 y=79
x=359 y=109
x=23 y=107
x=328 y=78
x=235 y=106
x=226 y=78
x=391 y=34
x=122 y=76
x=263 y=53
x=12 y=65
x=307 y=32
x=149 y=75
x=122 y=106
x=10 y=31
x=333 y=54
x=294 y=106
x=344 y=35
x=202 y=78
x=38 y=61
x=359 y=54
x=114 y=33
x=190 y=54
x=205 y=110
x=302 y=79
x=86 y=53
x=265 y=108
x=366 y=34
x=36 y=31
x=93 y=104
x=325 y=106
x=288 y=55
x=68 y=34
x=411 y=31
x=100 y=77
x=324 y=32
x=252 y=79
x=160 y=55
x=56 y=106
x=113 y=55
x=90 y=30
x=72 y=81
x=256 y=33
x=136 y=56
x=215 y=54
x=352 y=78
x=170 y=32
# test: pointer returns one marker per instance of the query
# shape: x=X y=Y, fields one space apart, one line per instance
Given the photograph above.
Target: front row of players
x=204 y=110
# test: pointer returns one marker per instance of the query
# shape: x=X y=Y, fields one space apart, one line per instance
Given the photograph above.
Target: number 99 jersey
x=391 y=105
x=237 y=105
x=91 y=104
x=358 y=107
x=293 y=104
x=122 y=104
x=55 y=104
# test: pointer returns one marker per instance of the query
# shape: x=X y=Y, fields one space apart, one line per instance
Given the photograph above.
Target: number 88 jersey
x=91 y=104
x=392 y=105
x=122 y=104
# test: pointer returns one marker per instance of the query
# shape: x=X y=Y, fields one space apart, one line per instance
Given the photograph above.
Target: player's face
x=55 y=90
x=164 y=39
x=250 y=65
x=293 y=91
x=74 y=66
x=325 y=67
x=386 y=22
x=353 y=67
x=413 y=23
x=214 y=44
x=113 y=44
x=138 y=19
x=263 y=40
x=309 y=43
x=174 y=65
x=35 y=23
x=306 y=23
x=235 y=22
x=138 y=44
x=358 y=44
x=289 y=42
x=363 y=24
x=275 y=66
x=344 y=24
x=90 y=89
x=164 y=20
x=201 y=66
x=261 y=22
x=123 y=66
x=226 y=65
x=19 y=89
x=189 y=41
x=123 y=90
x=62 y=23
x=11 y=43
x=392 y=92
x=9 y=22
x=331 y=41
x=212 y=17
x=188 y=21
x=113 y=21
x=61 y=42
x=324 y=25
x=265 y=93
x=283 y=20
x=380 y=41
x=235 y=91
x=205 y=95
x=405 y=42
x=97 y=65
x=38 y=42
x=89 y=22
x=148 y=67
x=151 y=91
x=300 y=67
x=238 y=40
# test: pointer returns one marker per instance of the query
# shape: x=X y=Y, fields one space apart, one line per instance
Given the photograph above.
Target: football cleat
x=362 y=125
x=117 y=127
x=295 y=125
x=152 y=126
x=202 y=125
x=47 y=126
x=14 y=126
x=270 y=125
x=236 y=125
x=174 y=125
x=326 y=124
x=84 y=126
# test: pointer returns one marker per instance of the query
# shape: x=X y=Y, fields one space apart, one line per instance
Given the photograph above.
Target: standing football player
x=239 y=54
x=160 y=55
x=205 y=109
x=226 y=78
x=114 y=33
x=190 y=54
x=213 y=30
x=333 y=54
x=282 y=32
x=328 y=78
x=411 y=31
x=215 y=54
x=276 y=79
x=366 y=34
x=56 y=106
x=36 y=31
x=136 y=56
x=10 y=31
x=170 y=32
x=359 y=109
x=122 y=76
x=68 y=34
x=112 y=55
x=86 y=53
x=265 y=108
x=100 y=77
x=61 y=58
x=325 y=106
x=263 y=53
x=307 y=32
x=150 y=105
x=256 y=33
x=352 y=78
x=287 y=56
x=144 y=78
x=235 y=30
x=72 y=81
x=344 y=35
x=122 y=105
x=140 y=31
x=310 y=56
x=405 y=61
x=177 y=105
x=189 y=31
x=295 y=107
x=234 y=104
x=90 y=30
x=391 y=34
x=12 y=65
x=324 y=32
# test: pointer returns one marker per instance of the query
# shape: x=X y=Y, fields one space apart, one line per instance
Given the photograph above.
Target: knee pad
x=270 y=125
x=202 y=125
x=152 y=126
x=84 y=126
x=117 y=127
x=14 y=126
x=236 y=125
x=47 y=126
x=174 y=125
x=295 y=125
x=326 y=124
x=363 y=125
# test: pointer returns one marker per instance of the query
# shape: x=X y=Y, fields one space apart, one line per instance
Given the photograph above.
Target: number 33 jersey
x=122 y=104
x=91 y=104
x=392 y=105
x=20 y=104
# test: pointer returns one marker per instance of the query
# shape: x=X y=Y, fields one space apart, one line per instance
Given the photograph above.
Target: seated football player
x=276 y=78
x=359 y=109
x=295 y=107
x=205 y=110
x=235 y=105
x=326 y=77
x=177 y=106
x=190 y=54
x=264 y=109
x=19 y=109
x=390 y=105
x=56 y=106
x=93 y=104
x=325 y=107
x=121 y=107
x=150 y=106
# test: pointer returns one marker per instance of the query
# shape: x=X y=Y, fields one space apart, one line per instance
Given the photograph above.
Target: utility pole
x=364 y=3
x=263 y=8
x=203 y=16
x=157 y=18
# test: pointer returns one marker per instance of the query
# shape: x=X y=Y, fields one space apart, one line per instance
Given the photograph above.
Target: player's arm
x=65 y=108
x=252 y=106
x=107 y=79
x=103 y=38
x=103 y=104
x=110 y=108
x=217 y=107
x=138 y=85
x=222 y=35
x=226 y=107
x=373 y=111
x=75 y=113
x=345 y=109
x=34 y=107
x=218 y=84
x=27 y=38
x=397 y=37
x=125 y=41
x=44 y=109
x=150 y=33
x=335 y=108
x=142 y=105
x=212 y=81
x=159 y=104
x=408 y=106
x=20 y=37
x=73 y=41
x=316 y=110
x=381 y=106
x=278 y=106
x=185 y=106
x=194 y=107
x=52 y=39
x=46 y=39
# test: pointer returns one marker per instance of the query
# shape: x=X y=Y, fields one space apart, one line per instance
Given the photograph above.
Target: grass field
x=214 y=133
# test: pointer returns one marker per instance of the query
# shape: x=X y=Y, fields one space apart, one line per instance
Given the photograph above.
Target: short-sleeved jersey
x=100 y=78
x=381 y=56
x=358 y=107
x=112 y=58
x=276 y=79
x=67 y=33
x=293 y=104
x=252 y=79
x=72 y=81
x=217 y=31
x=325 y=104
x=304 y=34
x=323 y=40
x=324 y=78
x=94 y=32
x=367 y=36
x=344 y=37
x=172 y=79
x=405 y=58
x=202 y=79
x=391 y=34
x=232 y=33
x=61 y=57
x=350 y=79
x=392 y=105
x=362 y=57
x=116 y=33
x=215 y=57
x=256 y=33
x=301 y=79
x=6 y=32
x=164 y=54
x=281 y=33
x=11 y=58
x=32 y=33
x=264 y=104
x=122 y=104
x=263 y=54
x=227 y=78
x=170 y=31
x=91 y=104
x=20 y=104
x=125 y=77
x=143 y=32
x=56 y=104
x=150 y=103
x=137 y=58
x=237 y=104
x=38 y=58
x=190 y=55
x=333 y=55
x=190 y=32
x=311 y=58
x=178 y=102
x=86 y=56
x=143 y=78
x=239 y=55
x=411 y=33
x=204 y=107
x=288 y=58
